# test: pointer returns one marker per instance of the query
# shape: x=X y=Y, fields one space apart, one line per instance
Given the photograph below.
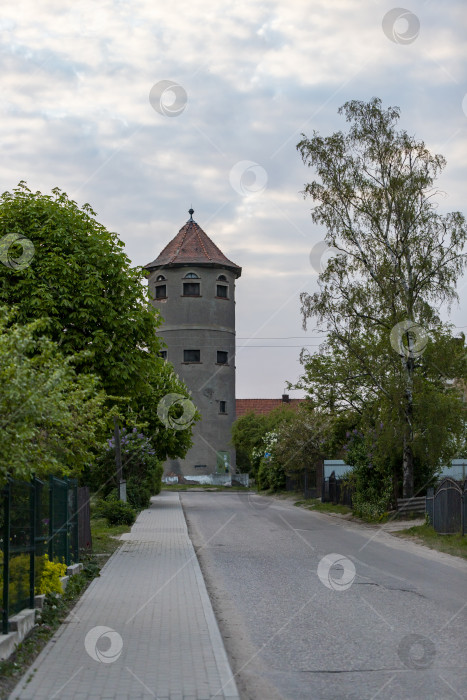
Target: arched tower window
x=191 y=289
x=160 y=290
x=222 y=289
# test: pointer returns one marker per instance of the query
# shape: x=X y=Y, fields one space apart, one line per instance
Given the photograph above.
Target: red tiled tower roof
x=192 y=246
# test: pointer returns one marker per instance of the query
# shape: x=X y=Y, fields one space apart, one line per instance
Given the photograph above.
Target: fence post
x=429 y=505
x=6 y=558
x=32 y=542
x=67 y=523
x=73 y=519
x=332 y=488
x=464 y=508
x=51 y=516
x=75 y=522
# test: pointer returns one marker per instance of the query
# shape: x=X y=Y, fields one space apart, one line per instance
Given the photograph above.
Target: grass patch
x=316 y=505
x=450 y=544
x=104 y=536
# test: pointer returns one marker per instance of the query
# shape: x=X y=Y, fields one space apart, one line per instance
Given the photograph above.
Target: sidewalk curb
x=229 y=688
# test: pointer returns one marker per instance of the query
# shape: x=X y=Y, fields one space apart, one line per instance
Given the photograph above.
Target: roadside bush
x=47 y=576
x=138 y=494
x=50 y=577
x=249 y=433
x=370 y=478
x=271 y=475
x=117 y=512
x=262 y=475
x=271 y=472
x=141 y=468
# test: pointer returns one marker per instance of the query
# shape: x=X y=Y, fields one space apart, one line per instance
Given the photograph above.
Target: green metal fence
x=36 y=518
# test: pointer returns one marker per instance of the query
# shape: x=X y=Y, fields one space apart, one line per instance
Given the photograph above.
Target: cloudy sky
x=83 y=108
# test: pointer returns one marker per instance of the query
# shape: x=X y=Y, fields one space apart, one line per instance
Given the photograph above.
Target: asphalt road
x=387 y=620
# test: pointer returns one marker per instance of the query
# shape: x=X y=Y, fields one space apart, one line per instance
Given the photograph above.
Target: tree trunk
x=407 y=455
x=407 y=468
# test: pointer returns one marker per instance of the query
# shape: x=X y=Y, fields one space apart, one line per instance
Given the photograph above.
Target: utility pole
x=121 y=485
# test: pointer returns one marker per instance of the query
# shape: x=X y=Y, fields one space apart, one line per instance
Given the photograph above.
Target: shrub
x=262 y=476
x=138 y=494
x=141 y=468
x=50 y=577
x=370 y=478
x=117 y=512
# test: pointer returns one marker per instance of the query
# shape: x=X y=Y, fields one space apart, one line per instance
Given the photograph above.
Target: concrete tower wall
x=205 y=323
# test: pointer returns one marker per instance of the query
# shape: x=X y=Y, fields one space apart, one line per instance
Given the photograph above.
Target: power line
x=280 y=337
x=310 y=345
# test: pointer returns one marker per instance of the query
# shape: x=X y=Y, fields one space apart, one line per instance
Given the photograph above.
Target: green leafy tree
x=95 y=304
x=398 y=261
x=161 y=381
x=370 y=478
x=80 y=280
x=248 y=433
x=141 y=468
x=303 y=441
x=51 y=419
x=270 y=472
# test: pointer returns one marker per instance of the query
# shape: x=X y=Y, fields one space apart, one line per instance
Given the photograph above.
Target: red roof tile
x=192 y=246
x=264 y=406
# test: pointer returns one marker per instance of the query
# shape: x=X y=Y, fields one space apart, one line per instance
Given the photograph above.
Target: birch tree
x=397 y=262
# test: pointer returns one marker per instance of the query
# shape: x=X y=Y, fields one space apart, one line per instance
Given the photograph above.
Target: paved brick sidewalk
x=164 y=643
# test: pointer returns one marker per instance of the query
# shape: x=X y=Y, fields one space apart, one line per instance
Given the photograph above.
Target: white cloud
x=75 y=111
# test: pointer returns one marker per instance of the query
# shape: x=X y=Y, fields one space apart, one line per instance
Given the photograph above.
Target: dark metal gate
x=84 y=518
x=444 y=507
x=63 y=532
x=36 y=518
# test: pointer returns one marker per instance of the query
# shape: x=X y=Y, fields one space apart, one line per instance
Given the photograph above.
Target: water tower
x=192 y=284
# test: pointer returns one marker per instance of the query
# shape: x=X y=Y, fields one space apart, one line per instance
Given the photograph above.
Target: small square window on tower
x=221 y=291
x=191 y=289
x=163 y=354
x=161 y=291
x=222 y=357
x=191 y=356
x=222 y=407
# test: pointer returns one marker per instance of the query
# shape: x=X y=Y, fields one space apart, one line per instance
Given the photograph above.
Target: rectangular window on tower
x=161 y=291
x=222 y=407
x=191 y=356
x=221 y=291
x=222 y=357
x=191 y=289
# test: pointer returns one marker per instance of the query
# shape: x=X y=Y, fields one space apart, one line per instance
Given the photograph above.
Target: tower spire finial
x=191 y=212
